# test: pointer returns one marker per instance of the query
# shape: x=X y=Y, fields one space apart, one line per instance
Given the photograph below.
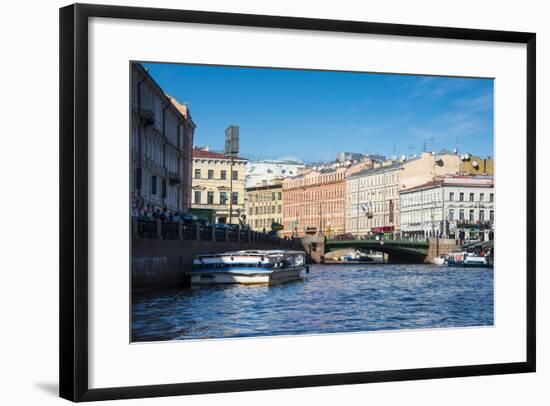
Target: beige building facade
x=219 y=185
x=372 y=194
x=372 y=200
x=264 y=205
x=426 y=167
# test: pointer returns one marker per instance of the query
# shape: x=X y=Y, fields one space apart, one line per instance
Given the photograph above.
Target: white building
x=266 y=171
x=372 y=200
x=460 y=207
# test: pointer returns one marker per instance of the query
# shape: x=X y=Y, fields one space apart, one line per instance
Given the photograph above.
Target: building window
x=481 y=197
x=491 y=197
x=471 y=197
x=235 y=197
x=210 y=174
x=471 y=216
x=256 y=209
x=235 y=175
x=223 y=199
x=280 y=195
x=223 y=174
x=451 y=214
x=272 y=196
x=154 y=185
x=163 y=188
x=210 y=198
x=461 y=214
x=482 y=215
x=197 y=197
x=197 y=173
x=491 y=216
x=461 y=197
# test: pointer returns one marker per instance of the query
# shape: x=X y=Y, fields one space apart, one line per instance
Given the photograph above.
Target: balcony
x=147 y=117
x=174 y=178
x=484 y=224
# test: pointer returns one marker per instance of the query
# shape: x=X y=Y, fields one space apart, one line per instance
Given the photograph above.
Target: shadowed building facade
x=161 y=144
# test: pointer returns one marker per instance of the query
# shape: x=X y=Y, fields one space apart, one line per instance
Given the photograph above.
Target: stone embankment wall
x=157 y=263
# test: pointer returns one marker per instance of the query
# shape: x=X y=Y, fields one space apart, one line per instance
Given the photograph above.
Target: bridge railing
x=382 y=245
x=163 y=230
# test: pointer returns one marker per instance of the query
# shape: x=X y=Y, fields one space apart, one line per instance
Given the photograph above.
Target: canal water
x=331 y=299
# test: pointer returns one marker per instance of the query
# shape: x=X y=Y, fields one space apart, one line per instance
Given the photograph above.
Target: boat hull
x=246 y=277
x=469 y=265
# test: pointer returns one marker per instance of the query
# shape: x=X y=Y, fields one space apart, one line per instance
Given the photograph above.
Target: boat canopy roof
x=251 y=253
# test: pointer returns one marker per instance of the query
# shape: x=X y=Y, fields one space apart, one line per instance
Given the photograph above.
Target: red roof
x=201 y=153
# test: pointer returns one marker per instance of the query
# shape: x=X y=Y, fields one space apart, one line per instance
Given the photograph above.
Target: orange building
x=314 y=202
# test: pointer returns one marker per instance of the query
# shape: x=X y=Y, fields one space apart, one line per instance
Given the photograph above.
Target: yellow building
x=475 y=165
x=265 y=205
x=219 y=185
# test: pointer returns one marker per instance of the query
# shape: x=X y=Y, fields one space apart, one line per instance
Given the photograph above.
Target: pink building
x=314 y=202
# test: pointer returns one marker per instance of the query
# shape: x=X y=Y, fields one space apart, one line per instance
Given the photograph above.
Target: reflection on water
x=332 y=299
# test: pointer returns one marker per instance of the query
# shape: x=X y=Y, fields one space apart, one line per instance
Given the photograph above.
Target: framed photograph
x=257 y=202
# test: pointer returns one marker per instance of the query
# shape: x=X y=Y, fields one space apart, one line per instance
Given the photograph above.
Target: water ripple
x=333 y=299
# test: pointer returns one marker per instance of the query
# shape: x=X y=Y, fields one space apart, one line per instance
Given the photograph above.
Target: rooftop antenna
x=424 y=146
x=431 y=139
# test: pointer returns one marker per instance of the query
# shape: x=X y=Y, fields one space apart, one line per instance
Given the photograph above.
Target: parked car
x=344 y=237
x=189 y=219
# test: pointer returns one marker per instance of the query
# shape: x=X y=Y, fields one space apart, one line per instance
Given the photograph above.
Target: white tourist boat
x=468 y=260
x=249 y=267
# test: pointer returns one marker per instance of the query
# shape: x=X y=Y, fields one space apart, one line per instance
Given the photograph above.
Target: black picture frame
x=74 y=201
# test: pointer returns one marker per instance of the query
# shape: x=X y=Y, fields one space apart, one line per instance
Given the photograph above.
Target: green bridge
x=398 y=250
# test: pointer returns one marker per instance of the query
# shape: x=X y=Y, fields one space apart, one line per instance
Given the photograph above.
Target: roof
x=181 y=109
x=427 y=185
x=454 y=180
x=380 y=169
x=201 y=153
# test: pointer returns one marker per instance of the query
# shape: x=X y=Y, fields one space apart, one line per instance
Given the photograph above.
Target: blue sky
x=312 y=115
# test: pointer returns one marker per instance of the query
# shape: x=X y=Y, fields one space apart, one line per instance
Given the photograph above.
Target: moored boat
x=469 y=260
x=249 y=267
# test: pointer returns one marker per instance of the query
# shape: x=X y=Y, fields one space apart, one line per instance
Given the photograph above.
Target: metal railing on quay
x=166 y=230
x=205 y=233
x=169 y=231
x=146 y=229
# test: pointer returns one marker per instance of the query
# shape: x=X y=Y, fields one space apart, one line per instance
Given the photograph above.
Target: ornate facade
x=314 y=202
x=161 y=142
x=264 y=205
x=460 y=207
x=219 y=185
